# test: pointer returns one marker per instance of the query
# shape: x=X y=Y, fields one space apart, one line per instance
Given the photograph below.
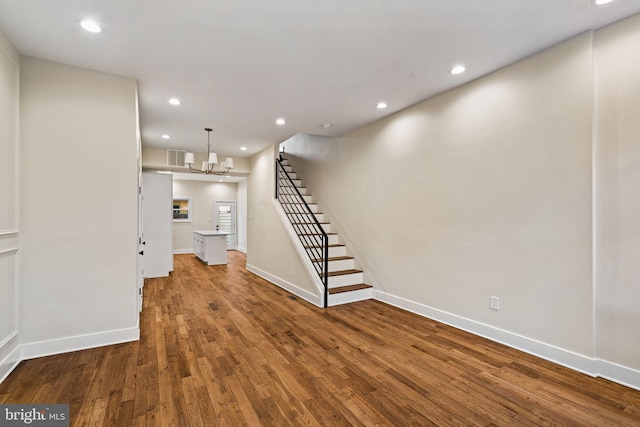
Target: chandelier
x=208 y=166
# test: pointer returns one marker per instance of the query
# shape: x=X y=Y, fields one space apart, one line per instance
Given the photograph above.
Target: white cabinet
x=210 y=247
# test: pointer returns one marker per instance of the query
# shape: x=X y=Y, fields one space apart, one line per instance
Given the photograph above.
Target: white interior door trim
x=219 y=224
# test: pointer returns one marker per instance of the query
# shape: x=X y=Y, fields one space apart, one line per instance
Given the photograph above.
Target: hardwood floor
x=221 y=346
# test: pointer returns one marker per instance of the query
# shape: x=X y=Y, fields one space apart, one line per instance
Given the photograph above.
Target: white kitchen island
x=210 y=246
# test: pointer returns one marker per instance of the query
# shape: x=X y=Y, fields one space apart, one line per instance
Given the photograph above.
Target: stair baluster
x=305 y=223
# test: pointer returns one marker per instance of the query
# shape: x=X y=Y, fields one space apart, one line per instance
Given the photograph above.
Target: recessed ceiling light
x=381 y=105
x=175 y=101
x=280 y=122
x=221 y=180
x=601 y=2
x=243 y=148
x=91 y=26
x=326 y=125
x=458 y=69
x=165 y=136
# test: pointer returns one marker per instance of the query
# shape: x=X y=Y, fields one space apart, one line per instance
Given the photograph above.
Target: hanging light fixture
x=208 y=166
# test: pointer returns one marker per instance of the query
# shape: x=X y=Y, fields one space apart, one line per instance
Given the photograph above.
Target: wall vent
x=175 y=158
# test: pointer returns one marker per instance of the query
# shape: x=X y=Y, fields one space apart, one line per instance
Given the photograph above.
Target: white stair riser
x=334 y=251
x=347 y=297
x=346 y=280
x=337 y=251
x=302 y=190
x=297 y=182
x=333 y=239
x=342 y=264
x=293 y=175
x=307 y=198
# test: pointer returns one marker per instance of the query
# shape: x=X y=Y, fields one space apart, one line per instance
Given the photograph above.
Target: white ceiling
x=237 y=65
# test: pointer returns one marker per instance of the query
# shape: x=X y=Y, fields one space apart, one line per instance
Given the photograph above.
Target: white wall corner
x=290 y=287
x=79 y=342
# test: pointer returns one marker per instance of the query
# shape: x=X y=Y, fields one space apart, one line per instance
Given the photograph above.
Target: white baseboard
x=619 y=374
x=590 y=366
x=63 y=345
x=182 y=251
x=302 y=293
x=79 y=342
x=241 y=249
x=9 y=355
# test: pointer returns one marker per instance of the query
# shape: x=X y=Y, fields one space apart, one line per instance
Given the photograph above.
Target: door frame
x=234 y=221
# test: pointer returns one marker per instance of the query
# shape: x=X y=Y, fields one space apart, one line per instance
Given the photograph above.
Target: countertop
x=211 y=233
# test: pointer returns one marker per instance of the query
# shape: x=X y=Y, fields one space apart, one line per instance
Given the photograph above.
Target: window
x=182 y=209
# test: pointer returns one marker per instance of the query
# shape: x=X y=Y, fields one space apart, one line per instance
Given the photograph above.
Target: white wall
x=78 y=210
x=617 y=165
x=9 y=228
x=202 y=194
x=487 y=190
x=270 y=253
x=484 y=191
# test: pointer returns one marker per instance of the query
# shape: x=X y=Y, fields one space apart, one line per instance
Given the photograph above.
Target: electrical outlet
x=494 y=303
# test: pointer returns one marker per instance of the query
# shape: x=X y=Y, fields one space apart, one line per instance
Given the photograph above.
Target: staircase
x=342 y=282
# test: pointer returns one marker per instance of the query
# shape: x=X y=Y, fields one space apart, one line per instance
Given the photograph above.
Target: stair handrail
x=321 y=260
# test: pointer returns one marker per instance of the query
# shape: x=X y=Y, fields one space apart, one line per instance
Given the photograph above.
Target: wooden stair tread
x=297 y=203
x=316 y=234
x=343 y=272
x=334 y=258
x=348 y=288
x=335 y=245
x=304 y=213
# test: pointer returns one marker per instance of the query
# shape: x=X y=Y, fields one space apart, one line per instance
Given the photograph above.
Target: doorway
x=224 y=219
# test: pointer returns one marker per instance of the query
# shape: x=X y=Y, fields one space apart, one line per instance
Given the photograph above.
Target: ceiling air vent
x=175 y=158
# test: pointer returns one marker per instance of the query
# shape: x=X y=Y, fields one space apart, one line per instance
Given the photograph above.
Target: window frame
x=179 y=209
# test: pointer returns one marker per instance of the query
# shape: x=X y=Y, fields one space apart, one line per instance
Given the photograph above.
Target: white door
x=224 y=219
x=141 y=245
x=157 y=224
